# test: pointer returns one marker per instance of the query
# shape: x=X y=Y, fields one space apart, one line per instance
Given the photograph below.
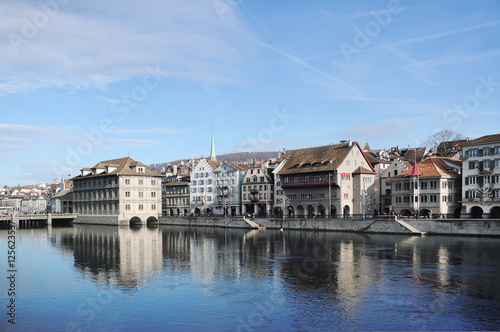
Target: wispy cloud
x=162 y=131
x=80 y=50
x=441 y=34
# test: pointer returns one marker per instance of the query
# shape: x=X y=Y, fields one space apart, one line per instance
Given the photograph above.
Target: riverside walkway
x=37 y=219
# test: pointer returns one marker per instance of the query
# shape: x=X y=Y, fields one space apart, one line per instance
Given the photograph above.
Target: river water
x=104 y=278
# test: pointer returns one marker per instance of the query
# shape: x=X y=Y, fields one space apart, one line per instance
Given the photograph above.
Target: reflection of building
x=116 y=192
x=481 y=177
x=433 y=186
x=128 y=256
x=336 y=178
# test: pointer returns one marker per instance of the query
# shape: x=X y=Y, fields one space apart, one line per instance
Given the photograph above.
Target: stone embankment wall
x=388 y=225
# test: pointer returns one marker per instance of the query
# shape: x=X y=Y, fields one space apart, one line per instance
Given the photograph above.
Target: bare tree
x=442 y=141
x=483 y=194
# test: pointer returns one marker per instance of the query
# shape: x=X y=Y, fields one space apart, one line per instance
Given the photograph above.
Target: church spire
x=212 y=149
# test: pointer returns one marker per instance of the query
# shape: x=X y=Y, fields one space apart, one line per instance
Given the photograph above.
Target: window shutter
x=481 y=165
x=492 y=151
x=466 y=180
x=480 y=152
x=467 y=153
x=480 y=180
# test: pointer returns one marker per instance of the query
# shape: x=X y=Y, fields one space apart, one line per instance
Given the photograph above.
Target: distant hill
x=229 y=157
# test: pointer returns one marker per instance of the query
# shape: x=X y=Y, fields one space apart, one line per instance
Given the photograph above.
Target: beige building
x=257 y=190
x=117 y=192
x=430 y=187
x=336 y=180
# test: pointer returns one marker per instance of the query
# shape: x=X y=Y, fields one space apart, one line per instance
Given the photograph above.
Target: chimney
x=349 y=143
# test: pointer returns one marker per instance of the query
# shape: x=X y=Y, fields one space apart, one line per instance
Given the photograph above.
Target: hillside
x=229 y=157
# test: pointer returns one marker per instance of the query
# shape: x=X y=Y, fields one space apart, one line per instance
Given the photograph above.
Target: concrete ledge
x=487 y=227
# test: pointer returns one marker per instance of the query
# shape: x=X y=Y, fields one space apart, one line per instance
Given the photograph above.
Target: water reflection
x=327 y=279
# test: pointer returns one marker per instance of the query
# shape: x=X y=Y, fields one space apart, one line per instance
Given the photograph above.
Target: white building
x=202 y=194
x=228 y=178
x=481 y=177
x=432 y=187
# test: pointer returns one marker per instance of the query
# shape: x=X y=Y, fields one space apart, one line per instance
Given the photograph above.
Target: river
x=171 y=278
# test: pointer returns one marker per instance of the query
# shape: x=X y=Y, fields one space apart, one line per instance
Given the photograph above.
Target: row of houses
x=337 y=180
x=343 y=180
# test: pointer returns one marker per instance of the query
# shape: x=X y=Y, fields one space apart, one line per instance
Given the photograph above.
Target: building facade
x=258 y=191
x=202 y=195
x=481 y=177
x=429 y=189
x=335 y=180
x=119 y=191
x=175 y=198
x=227 y=185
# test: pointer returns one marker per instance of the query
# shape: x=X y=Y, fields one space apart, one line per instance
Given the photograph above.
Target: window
x=127 y=207
x=141 y=207
x=153 y=182
x=141 y=182
x=141 y=194
x=140 y=169
x=473 y=153
x=153 y=194
x=127 y=181
x=202 y=182
x=194 y=182
x=127 y=194
x=153 y=207
x=486 y=151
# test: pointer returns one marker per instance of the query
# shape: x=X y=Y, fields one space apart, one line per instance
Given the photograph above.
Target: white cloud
x=77 y=49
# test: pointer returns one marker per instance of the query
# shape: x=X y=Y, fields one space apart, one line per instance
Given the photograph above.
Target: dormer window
x=140 y=169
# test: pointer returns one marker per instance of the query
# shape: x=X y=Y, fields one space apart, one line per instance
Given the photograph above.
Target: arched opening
x=186 y=212
x=135 y=221
x=152 y=220
x=321 y=211
x=310 y=211
x=197 y=211
x=456 y=214
x=262 y=210
x=249 y=209
x=171 y=212
x=300 y=211
x=405 y=213
x=425 y=213
x=495 y=212
x=334 y=211
x=476 y=213
x=291 y=211
x=347 y=211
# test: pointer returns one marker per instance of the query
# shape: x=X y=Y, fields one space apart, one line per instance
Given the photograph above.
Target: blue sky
x=85 y=79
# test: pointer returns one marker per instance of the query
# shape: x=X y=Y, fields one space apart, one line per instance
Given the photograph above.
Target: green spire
x=212 y=149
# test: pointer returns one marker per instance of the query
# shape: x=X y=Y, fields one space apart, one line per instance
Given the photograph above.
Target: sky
x=84 y=81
